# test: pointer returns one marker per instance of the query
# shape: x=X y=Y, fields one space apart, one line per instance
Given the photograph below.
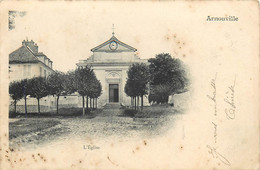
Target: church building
x=110 y=62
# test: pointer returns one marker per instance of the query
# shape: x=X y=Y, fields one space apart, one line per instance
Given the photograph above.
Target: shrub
x=129 y=113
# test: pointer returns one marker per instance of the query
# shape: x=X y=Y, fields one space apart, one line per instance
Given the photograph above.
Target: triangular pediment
x=116 y=46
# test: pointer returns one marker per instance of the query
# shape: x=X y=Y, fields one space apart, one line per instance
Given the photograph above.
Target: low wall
x=180 y=100
x=30 y=108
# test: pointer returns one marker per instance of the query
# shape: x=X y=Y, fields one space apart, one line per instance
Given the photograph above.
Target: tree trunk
x=138 y=103
x=25 y=105
x=135 y=102
x=90 y=103
x=93 y=103
x=39 y=111
x=142 y=102
x=87 y=103
x=96 y=103
x=83 y=105
x=15 y=107
x=58 y=104
x=132 y=102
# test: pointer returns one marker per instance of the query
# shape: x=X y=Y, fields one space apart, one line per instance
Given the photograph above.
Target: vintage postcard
x=129 y=84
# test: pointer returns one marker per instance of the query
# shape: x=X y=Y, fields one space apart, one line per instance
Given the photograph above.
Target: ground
x=37 y=131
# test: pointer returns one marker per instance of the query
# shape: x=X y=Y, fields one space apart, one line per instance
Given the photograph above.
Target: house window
x=26 y=70
x=29 y=70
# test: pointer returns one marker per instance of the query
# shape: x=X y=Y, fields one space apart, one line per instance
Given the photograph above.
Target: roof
x=25 y=55
x=113 y=38
x=22 y=55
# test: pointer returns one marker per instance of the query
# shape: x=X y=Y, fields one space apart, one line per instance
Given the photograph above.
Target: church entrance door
x=113 y=93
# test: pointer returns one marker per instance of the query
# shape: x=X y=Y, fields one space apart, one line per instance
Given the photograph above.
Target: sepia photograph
x=111 y=93
x=129 y=85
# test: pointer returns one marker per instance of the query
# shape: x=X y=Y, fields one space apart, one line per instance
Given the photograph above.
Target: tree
x=83 y=78
x=168 y=77
x=38 y=89
x=94 y=89
x=70 y=83
x=159 y=93
x=24 y=83
x=130 y=91
x=137 y=81
x=16 y=92
x=56 y=82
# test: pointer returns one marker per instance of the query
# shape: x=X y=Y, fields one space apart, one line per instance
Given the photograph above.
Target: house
x=28 y=62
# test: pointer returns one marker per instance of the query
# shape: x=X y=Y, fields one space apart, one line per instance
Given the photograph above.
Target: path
x=105 y=125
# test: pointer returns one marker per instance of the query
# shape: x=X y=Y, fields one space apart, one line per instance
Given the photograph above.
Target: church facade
x=110 y=62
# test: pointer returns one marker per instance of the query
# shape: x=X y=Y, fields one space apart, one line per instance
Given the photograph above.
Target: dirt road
x=108 y=124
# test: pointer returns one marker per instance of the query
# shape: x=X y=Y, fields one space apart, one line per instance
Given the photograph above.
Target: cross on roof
x=113 y=30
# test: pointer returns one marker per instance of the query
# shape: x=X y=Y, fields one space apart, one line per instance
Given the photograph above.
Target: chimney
x=23 y=43
x=33 y=46
x=36 y=48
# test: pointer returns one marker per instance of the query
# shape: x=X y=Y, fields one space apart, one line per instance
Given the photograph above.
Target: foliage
x=70 y=82
x=138 y=77
x=57 y=85
x=83 y=78
x=16 y=92
x=129 y=88
x=165 y=69
x=38 y=88
x=86 y=84
x=154 y=111
x=94 y=88
x=159 y=93
x=56 y=82
x=137 y=81
x=168 y=77
x=129 y=113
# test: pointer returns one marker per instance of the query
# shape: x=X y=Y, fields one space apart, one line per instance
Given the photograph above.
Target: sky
x=66 y=32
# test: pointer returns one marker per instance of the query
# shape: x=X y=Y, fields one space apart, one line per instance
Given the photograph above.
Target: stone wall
x=30 y=108
x=180 y=100
x=49 y=103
